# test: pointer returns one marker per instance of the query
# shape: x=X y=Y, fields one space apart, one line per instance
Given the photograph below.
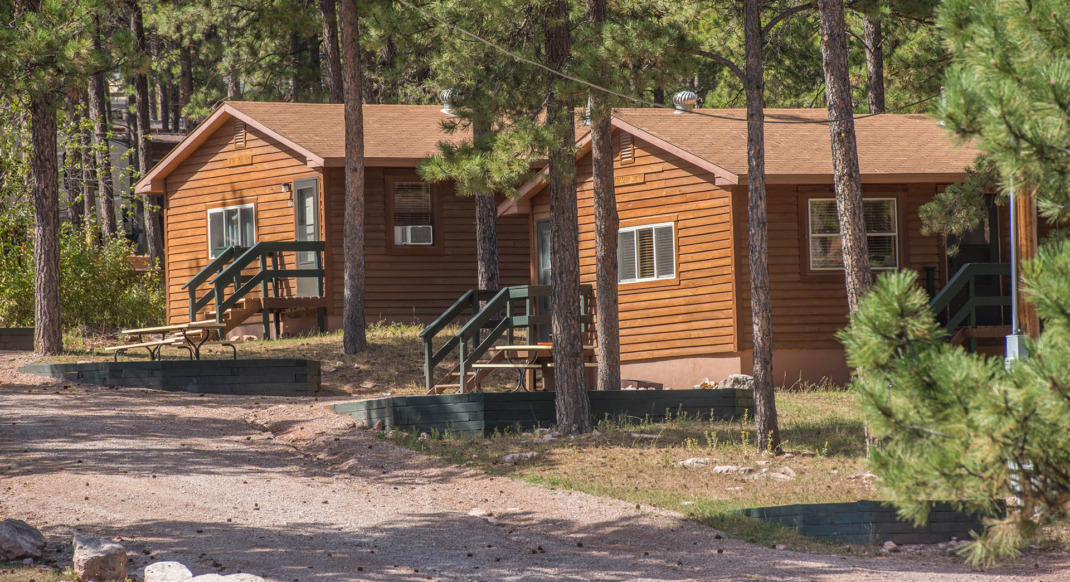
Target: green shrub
x=99 y=287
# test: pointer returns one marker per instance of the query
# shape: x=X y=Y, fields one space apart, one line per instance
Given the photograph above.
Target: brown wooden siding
x=422 y=284
x=207 y=180
x=809 y=308
x=692 y=314
x=399 y=287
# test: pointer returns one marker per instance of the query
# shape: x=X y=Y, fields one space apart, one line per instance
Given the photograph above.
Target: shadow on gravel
x=518 y=547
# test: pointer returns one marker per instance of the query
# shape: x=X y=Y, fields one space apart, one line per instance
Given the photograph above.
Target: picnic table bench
x=188 y=336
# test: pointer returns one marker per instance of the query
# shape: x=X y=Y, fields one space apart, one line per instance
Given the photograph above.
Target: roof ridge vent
x=684 y=101
x=446 y=96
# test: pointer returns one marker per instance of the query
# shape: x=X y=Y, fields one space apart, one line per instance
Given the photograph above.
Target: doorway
x=306 y=217
x=542 y=273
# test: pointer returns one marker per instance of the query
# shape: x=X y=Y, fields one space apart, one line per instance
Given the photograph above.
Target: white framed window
x=882 y=234
x=646 y=253
x=231 y=226
x=413 y=213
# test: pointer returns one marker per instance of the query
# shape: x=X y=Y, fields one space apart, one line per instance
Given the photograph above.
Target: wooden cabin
x=274 y=173
x=681 y=191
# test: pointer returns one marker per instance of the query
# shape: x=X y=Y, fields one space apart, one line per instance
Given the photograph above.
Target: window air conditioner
x=413 y=235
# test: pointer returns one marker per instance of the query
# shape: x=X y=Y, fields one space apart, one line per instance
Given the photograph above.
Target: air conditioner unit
x=413 y=235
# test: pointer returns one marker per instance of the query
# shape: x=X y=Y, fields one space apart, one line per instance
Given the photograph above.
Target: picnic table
x=189 y=336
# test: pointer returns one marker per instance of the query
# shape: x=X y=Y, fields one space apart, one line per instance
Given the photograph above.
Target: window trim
x=208 y=223
x=437 y=247
x=675 y=255
x=806 y=262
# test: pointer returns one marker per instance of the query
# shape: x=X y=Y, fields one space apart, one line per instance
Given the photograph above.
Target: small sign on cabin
x=629 y=179
x=239 y=161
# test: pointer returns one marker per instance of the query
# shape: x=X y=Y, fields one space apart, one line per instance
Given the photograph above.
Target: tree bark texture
x=486 y=227
x=98 y=110
x=176 y=108
x=152 y=211
x=573 y=404
x=847 y=178
x=767 y=426
x=89 y=180
x=185 y=75
x=165 y=106
x=332 y=60
x=354 y=337
x=606 y=225
x=48 y=331
x=873 y=36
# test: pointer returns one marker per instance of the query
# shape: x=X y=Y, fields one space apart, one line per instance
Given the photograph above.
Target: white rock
x=516 y=458
x=890 y=546
x=787 y=471
x=778 y=476
x=423 y=437
x=653 y=437
x=167 y=572
x=243 y=577
x=695 y=462
x=19 y=540
x=368 y=385
x=209 y=578
x=725 y=469
x=736 y=381
x=98 y=559
x=763 y=463
x=781 y=547
x=479 y=512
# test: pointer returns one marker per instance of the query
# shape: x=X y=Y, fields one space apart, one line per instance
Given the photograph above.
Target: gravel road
x=283 y=489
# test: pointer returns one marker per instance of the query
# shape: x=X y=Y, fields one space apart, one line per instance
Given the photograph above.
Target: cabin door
x=542 y=272
x=306 y=214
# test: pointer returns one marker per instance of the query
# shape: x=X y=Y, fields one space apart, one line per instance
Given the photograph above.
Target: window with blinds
x=646 y=253
x=412 y=204
x=231 y=226
x=882 y=234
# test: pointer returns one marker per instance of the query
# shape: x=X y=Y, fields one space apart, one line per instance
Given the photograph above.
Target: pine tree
x=966 y=427
x=354 y=325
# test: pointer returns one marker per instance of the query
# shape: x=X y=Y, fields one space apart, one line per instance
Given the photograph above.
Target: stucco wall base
x=790 y=367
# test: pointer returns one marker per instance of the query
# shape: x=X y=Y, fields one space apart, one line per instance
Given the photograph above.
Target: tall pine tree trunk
x=48 y=331
x=874 y=40
x=89 y=173
x=176 y=108
x=98 y=110
x=165 y=105
x=486 y=226
x=354 y=338
x=846 y=176
x=573 y=404
x=152 y=211
x=73 y=174
x=606 y=225
x=332 y=60
x=185 y=74
x=765 y=415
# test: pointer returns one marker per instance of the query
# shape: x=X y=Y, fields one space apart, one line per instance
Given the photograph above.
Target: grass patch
x=822 y=431
x=12 y=572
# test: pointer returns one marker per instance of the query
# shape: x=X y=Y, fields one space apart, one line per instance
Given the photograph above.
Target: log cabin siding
x=209 y=179
x=418 y=285
x=400 y=287
x=808 y=308
x=693 y=313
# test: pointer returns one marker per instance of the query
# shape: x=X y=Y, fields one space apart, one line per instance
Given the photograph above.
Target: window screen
x=882 y=235
x=412 y=204
x=233 y=226
x=646 y=253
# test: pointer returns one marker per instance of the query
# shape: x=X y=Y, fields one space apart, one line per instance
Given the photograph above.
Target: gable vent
x=627 y=148
x=239 y=134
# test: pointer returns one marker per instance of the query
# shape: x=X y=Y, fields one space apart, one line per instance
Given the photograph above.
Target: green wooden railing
x=497 y=314
x=228 y=284
x=963 y=288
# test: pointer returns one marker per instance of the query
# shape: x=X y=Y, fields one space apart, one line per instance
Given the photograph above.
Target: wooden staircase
x=487 y=341
x=958 y=302
x=239 y=271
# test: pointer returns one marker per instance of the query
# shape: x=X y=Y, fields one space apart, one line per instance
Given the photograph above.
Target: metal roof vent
x=447 y=102
x=587 y=112
x=684 y=101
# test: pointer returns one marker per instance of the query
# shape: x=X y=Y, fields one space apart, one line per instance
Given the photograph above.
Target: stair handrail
x=964 y=279
x=231 y=273
x=468 y=302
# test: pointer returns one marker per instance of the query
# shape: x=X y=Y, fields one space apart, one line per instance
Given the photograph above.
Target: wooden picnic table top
x=179 y=327
x=532 y=348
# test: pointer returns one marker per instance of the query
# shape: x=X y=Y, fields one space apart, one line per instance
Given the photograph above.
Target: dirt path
x=288 y=491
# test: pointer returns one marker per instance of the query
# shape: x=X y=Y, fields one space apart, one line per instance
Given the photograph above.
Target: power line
x=625 y=96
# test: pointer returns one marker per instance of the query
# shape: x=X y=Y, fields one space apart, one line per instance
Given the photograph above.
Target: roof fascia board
x=153 y=182
x=311 y=159
x=918 y=178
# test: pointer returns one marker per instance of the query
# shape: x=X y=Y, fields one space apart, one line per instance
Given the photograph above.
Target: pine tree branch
x=723 y=61
x=784 y=15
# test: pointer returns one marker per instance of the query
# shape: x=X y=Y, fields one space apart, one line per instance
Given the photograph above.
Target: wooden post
x=265 y=317
x=1026 y=239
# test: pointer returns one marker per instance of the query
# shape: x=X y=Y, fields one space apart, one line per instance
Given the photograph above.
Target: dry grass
x=393 y=363
x=20 y=573
x=822 y=431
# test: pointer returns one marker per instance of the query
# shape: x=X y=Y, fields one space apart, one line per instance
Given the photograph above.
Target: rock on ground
x=736 y=381
x=695 y=462
x=167 y=572
x=515 y=458
x=19 y=540
x=97 y=559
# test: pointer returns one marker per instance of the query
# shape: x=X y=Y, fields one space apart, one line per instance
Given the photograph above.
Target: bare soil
x=284 y=489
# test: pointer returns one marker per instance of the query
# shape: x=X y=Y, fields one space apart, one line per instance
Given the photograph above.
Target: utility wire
x=625 y=96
